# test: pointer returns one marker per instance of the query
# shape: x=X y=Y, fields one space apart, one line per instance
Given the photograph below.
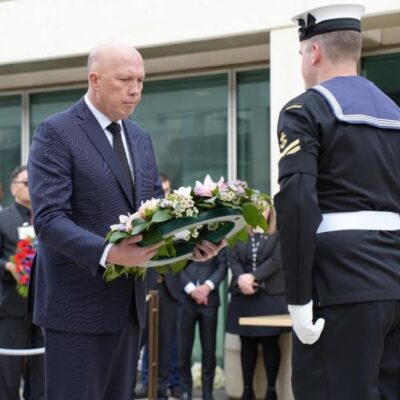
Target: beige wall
x=50 y=29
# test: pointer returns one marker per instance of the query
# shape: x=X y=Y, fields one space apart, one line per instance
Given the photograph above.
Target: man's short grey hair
x=339 y=46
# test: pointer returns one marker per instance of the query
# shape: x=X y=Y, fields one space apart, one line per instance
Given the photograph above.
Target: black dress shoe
x=248 y=393
x=175 y=392
x=185 y=396
x=207 y=397
x=141 y=391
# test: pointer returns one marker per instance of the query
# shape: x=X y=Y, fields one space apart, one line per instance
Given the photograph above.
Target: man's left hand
x=206 y=250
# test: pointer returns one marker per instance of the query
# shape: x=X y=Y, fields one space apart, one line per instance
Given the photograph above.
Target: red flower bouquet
x=23 y=258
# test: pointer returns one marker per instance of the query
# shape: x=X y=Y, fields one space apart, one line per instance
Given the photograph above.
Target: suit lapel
x=99 y=140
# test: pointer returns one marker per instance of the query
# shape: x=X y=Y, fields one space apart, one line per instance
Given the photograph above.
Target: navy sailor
x=338 y=218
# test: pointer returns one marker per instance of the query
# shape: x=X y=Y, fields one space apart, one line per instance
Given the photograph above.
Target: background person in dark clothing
x=200 y=304
x=15 y=331
x=257 y=289
x=169 y=290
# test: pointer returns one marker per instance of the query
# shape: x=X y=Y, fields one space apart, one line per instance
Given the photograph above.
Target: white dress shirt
x=104 y=122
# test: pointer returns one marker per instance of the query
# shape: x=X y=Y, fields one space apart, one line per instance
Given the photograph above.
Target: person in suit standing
x=169 y=291
x=88 y=165
x=15 y=331
x=257 y=288
x=200 y=302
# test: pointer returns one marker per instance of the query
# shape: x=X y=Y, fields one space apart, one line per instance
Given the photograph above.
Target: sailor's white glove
x=302 y=319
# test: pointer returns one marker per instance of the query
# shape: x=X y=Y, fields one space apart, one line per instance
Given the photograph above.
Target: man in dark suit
x=87 y=166
x=200 y=281
x=15 y=331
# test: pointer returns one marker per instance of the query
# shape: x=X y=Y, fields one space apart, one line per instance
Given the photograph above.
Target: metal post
x=154 y=307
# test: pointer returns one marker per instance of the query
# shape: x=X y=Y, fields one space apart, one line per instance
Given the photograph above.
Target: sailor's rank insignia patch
x=294 y=107
x=288 y=148
x=282 y=140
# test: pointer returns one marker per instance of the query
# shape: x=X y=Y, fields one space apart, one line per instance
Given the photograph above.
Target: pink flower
x=205 y=189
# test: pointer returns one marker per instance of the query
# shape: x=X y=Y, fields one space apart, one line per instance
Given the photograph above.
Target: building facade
x=217 y=74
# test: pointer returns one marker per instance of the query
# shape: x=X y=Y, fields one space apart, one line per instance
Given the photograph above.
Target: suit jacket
x=11 y=303
x=197 y=273
x=172 y=283
x=269 y=268
x=78 y=189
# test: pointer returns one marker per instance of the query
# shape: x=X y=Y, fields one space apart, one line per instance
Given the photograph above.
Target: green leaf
x=139 y=228
x=137 y=271
x=211 y=200
x=152 y=236
x=171 y=247
x=205 y=205
x=111 y=273
x=162 y=269
x=163 y=251
x=242 y=235
x=178 y=266
x=161 y=216
x=23 y=290
x=138 y=221
x=108 y=236
x=230 y=205
x=117 y=236
x=250 y=214
x=262 y=222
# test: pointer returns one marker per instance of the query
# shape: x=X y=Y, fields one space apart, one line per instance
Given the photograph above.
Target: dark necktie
x=119 y=151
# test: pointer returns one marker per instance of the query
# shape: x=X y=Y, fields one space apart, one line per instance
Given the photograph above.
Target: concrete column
x=286 y=83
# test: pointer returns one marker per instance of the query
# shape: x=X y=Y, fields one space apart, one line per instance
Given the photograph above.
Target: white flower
x=123 y=218
x=149 y=207
x=184 y=191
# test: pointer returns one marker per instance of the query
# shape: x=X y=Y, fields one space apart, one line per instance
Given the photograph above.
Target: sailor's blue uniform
x=340 y=153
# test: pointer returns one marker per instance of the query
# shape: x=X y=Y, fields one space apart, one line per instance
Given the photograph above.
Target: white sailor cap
x=338 y=17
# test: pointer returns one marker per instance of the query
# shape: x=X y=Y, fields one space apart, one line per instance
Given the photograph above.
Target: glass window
x=42 y=105
x=253 y=119
x=187 y=120
x=10 y=141
x=384 y=72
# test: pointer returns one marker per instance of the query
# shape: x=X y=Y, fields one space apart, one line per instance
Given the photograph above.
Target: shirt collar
x=102 y=119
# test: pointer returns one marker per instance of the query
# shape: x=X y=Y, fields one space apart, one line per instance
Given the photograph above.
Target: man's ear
x=315 y=54
x=94 y=78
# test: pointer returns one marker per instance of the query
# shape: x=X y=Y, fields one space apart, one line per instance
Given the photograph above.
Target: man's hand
x=247 y=283
x=129 y=254
x=10 y=267
x=207 y=250
x=200 y=294
x=302 y=318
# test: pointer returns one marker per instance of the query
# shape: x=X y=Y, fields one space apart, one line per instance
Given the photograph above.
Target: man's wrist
x=104 y=262
x=210 y=284
x=189 y=288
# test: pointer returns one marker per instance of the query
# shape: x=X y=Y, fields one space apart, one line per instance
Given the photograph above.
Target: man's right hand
x=129 y=254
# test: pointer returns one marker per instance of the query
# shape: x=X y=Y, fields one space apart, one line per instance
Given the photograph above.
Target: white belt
x=366 y=220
